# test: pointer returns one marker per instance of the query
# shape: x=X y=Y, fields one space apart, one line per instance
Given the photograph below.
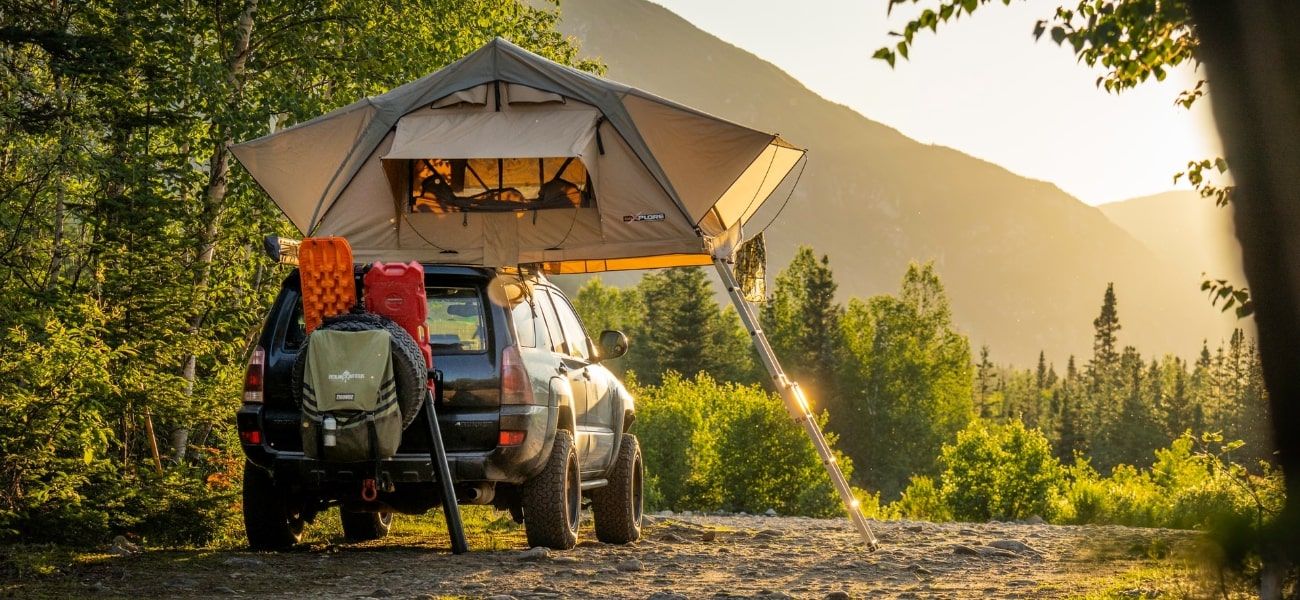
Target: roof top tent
x=505 y=158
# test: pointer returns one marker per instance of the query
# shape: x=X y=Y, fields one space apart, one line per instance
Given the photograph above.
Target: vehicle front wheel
x=552 y=500
x=268 y=521
x=365 y=526
x=618 y=506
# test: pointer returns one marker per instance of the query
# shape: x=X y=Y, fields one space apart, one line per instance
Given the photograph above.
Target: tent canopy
x=505 y=158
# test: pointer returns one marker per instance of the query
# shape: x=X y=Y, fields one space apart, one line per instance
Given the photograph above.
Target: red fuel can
x=396 y=290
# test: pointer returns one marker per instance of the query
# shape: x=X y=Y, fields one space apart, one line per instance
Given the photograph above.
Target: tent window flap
x=497 y=184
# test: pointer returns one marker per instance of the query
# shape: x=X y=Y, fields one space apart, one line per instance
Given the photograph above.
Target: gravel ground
x=679 y=557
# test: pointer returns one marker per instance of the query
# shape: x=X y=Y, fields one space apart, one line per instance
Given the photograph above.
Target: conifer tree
x=1134 y=433
x=984 y=383
x=685 y=332
x=802 y=322
x=1178 y=414
x=1105 y=358
x=1069 y=434
x=1104 y=376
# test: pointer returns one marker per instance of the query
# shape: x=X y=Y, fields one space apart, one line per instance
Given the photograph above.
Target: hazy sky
x=981 y=85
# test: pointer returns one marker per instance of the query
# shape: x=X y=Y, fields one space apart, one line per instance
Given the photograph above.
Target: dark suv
x=531 y=420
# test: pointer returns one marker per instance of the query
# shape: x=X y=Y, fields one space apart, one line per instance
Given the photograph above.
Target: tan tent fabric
x=701 y=155
x=671 y=185
x=743 y=198
x=475 y=95
x=488 y=134
x=518 y=94
x=298 y=166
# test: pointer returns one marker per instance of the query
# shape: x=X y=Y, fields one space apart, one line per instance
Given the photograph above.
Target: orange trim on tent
x=664 y=261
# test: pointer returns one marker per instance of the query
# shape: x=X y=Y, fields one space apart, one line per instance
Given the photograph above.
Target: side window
x=573 y=333
x=552 y=322
x=525 y=323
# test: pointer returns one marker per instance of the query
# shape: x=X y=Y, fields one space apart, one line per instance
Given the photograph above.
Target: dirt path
x=681 y=557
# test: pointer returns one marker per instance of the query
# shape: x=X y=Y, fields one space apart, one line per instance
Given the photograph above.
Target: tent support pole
x=795 y=402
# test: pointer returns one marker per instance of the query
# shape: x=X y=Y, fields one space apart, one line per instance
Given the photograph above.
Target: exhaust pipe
x=479 y=493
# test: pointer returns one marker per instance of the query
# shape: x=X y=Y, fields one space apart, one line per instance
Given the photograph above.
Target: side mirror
x=613 y=344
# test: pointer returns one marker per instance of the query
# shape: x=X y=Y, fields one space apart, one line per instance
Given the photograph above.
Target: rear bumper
x=503 y=464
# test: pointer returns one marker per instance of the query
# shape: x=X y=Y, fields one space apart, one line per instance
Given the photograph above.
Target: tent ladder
x=795 y=402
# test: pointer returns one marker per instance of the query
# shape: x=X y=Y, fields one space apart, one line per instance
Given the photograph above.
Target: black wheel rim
x=572 y=494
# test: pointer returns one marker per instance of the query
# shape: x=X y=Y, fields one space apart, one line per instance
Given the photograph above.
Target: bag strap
x=320 y=438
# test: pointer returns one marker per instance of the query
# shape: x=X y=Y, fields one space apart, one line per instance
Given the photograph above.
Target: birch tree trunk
x=214 y=198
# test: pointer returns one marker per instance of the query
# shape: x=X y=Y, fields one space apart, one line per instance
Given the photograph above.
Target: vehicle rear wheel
x=552 y=500
x=365 y=526
x=618 y=506
x=268 y=521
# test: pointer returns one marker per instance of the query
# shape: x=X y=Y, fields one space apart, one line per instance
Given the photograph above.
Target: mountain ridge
x=1024 y=263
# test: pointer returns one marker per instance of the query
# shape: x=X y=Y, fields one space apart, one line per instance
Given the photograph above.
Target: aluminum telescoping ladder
x=795 y=402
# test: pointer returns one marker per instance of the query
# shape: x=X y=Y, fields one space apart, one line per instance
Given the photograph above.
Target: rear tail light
x=515 y=387
x=511 y=438
x=253 y=376
x=252 y=438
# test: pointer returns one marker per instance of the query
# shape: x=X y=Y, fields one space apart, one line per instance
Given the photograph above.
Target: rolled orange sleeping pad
x=328 y=286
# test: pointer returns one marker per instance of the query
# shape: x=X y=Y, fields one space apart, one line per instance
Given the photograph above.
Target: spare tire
x=409 y=370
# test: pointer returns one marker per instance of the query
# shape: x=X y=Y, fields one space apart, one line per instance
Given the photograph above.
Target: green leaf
x=884 y=54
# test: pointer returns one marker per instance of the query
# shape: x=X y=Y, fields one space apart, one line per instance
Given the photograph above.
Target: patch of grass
x=1159 y=582
x=23 y=561
x=1162 y=572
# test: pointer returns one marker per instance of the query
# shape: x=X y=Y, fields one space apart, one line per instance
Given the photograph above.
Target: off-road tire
x=409 y=369
x=268 y=522
x=618 y=506
x=552 y=500
x=365 y=526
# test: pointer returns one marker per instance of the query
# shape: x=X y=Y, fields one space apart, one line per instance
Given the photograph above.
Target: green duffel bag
x=349 y=409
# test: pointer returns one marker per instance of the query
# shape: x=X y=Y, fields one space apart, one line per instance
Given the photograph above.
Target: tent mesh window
x=498 y=184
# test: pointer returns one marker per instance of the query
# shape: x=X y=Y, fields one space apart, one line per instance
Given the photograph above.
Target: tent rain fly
x=505 y=158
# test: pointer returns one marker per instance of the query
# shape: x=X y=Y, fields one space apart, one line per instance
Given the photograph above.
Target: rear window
x=455 y=320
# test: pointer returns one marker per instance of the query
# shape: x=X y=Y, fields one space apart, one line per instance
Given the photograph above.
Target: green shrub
x=921 y=501
x=1000 y=472
x=676 y=446
x=1086 y=496
x=1135 y=499
x=64 y=478
x=1191 y=485
x=869 y=505
x=711 y=446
